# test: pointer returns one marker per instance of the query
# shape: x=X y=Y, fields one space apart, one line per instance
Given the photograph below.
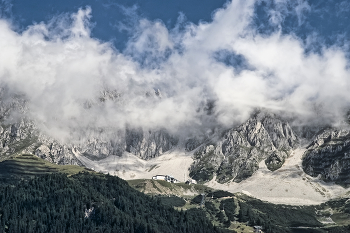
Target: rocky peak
x=238 y=153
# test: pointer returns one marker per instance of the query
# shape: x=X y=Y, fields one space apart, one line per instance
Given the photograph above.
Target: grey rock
x=18 y=134
x=149 y=144
x=57 y=153
x=328 y=156
x=237 y=154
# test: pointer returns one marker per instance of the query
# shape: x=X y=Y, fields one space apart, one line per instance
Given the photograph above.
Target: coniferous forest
x=36 y=196
x=88 y=202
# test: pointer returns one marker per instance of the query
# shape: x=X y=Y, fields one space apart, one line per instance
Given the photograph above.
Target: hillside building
x=167 y=178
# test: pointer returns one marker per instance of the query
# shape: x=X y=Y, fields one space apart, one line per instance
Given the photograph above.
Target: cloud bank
x=186 y=78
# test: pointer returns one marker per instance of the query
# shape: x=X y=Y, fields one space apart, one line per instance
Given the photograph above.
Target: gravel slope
x=287 y=185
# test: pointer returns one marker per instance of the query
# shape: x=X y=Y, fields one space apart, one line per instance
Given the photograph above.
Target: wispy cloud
x=74 y=81
x=5 y=8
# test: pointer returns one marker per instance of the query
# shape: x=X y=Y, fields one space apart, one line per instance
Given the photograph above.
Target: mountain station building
x=166 y=178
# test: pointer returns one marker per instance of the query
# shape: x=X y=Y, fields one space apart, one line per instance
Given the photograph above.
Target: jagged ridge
x=237 y=154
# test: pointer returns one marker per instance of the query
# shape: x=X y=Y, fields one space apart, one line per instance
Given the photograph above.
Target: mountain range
x=226 y=154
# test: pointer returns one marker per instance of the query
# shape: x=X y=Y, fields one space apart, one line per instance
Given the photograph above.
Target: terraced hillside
x=29 y=166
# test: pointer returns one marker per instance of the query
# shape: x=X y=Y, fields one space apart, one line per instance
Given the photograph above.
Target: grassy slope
x=30 y=165
x=160 y=187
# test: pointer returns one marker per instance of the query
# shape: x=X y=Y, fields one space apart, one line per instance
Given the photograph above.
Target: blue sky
x=107 y=15
x=326 y=18
x=286 y=56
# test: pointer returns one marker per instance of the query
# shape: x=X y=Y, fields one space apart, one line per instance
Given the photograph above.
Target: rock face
x=16 y=134
x=149 y=144
x=328 y=156
x=16 y=137
x=56 y=153
x=24 y=137
x=20 y=135
x=237 y=154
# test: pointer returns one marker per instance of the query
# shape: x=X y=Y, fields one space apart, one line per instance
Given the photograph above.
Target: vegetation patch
x=202 y=173
x=203 y=170
x=26 y=166
x=240 y=213
x=172 y=201
x=197 y=199
x=220 y=194
x=224 y=173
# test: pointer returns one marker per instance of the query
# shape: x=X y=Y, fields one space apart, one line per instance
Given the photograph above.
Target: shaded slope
x=30 y=165
x=88 y=202
x=328 y=156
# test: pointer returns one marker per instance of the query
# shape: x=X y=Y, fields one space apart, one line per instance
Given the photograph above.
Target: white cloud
x=64 y=73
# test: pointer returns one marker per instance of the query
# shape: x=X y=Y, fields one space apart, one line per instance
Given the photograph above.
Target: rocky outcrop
x=328 y=156
x=149 y=144
x=16 y=137
x=24 y=137
x=237 y=154
x=56 y=153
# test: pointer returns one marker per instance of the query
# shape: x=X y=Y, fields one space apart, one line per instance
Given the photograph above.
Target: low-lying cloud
x=181 y=79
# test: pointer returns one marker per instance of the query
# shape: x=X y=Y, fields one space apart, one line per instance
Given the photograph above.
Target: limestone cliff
x=237 y=153
x=149 y=143
x=328 y=156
